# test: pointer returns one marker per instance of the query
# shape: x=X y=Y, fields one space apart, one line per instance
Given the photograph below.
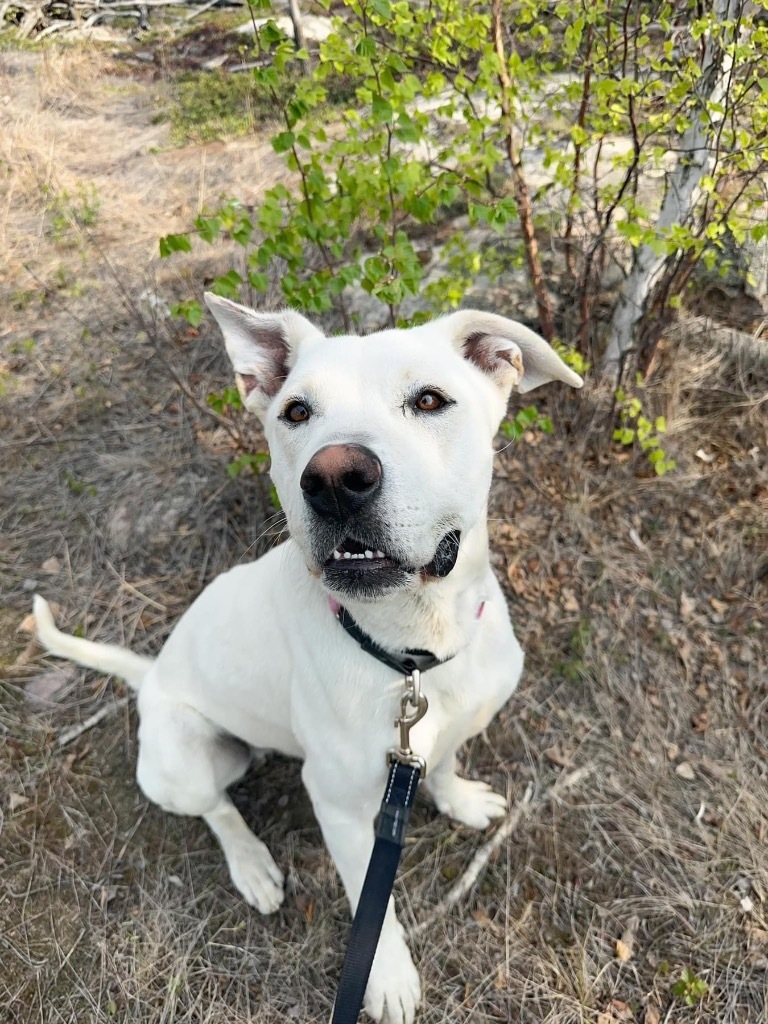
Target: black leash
x=390 y=837
x=405 y=771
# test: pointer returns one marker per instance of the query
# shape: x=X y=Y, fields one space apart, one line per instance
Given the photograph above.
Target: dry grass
x=641 y=604
x=78 y=122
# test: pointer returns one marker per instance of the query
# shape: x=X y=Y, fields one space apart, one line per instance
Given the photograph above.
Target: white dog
x=382 y=456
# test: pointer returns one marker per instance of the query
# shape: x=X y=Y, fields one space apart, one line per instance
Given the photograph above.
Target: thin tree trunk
x=684 y=190
x=298 y=29
x=519 y=184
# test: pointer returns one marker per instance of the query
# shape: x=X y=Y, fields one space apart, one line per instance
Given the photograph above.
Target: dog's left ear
x=261 y=346
x=510 y=353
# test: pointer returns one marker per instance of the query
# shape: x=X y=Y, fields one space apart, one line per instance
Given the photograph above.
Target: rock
x=216 y=62
x=150 y=514
x=315 y=28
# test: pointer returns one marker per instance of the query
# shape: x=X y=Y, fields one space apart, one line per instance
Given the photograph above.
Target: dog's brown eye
x=296 y=412
x=429 y=401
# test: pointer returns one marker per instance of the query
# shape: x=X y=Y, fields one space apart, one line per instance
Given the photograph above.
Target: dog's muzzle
x=352 y=543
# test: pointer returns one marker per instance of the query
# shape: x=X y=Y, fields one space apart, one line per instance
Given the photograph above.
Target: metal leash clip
x=413 y=707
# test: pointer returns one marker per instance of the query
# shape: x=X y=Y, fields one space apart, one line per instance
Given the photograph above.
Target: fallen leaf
x=516 y=578
x=623 y=951
x=616 y=1012
x=700 y=721
x=51 y=565
x=570 y=604
x=43 y=688
x=652 y=1014
x=27 y=624
x=555 y=755
x=705 y=456
x=685 y=771
x=719 y=606
x=687 y=607
x=306 y=904
x=500 y=981
x=625 y=945
x=485 y=922
x=621 y=1010
x=17 y=800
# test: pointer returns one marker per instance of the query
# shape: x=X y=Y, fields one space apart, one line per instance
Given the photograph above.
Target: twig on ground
x=200 y=10
x=125 y=585
x=77 y=730
x=479 y=862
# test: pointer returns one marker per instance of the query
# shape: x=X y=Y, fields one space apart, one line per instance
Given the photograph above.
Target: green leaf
x=258 y=281
x=366 y=47
x=381 y=110
x=227 y=285
x=174 y=243
x=208 y=228
x=188 y=310
x=283 y=141
x=242 y=231
x=406 y=129
x=224 y=401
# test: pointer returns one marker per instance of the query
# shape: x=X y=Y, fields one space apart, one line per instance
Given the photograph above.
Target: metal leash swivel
x=413 y=707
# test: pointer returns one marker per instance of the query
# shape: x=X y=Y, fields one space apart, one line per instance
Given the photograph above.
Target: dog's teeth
x=378 y=554
x=369 y=554
x=347 y=554
x=336 y=556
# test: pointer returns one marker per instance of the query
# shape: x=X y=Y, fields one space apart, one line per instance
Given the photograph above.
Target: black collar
x=403 y=663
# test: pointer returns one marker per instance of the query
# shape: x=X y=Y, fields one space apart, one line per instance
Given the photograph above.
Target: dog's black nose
x=340 y=479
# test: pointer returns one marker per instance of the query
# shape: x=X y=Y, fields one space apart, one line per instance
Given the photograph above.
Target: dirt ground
x=634 y=883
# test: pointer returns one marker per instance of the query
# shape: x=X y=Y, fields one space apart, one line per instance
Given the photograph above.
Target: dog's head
x=382 y=445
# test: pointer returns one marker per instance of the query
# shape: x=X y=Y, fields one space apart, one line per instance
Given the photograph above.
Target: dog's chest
x=459 y=711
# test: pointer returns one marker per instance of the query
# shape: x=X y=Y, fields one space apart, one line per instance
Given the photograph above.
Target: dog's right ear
x=509 y=352
x=261 y=346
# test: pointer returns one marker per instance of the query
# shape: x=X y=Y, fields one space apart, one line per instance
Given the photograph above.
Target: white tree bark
x=697 y=156
x=298 y=29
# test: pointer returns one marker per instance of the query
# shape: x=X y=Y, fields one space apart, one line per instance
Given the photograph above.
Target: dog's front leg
x=346 y=820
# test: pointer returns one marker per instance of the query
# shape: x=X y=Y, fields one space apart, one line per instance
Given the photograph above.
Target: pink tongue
x=333 y=604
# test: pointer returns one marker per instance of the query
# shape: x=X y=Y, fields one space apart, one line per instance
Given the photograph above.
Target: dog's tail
x=107 y=658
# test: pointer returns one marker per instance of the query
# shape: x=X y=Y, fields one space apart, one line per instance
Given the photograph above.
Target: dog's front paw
x=472 y=803
x=255 y=874
x=394 y=991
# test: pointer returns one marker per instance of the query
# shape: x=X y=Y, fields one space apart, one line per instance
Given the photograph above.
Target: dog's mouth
x=351 y=550
x=358 y=568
